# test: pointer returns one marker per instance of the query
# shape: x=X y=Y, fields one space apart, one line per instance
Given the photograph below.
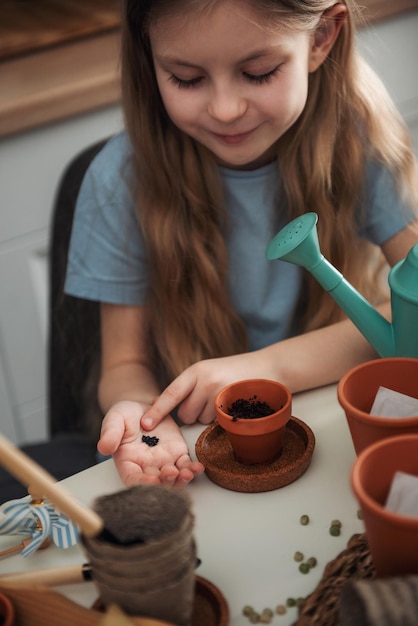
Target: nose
x=226 y=104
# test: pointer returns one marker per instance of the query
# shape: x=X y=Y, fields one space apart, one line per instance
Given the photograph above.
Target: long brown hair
x=348 y=117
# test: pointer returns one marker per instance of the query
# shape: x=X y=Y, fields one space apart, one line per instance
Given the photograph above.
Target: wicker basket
x=322 y=606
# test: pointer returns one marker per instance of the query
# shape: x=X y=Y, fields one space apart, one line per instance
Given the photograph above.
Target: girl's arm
x=310 y=360
x=126 y=389
x=306 y=361
x=125 y=368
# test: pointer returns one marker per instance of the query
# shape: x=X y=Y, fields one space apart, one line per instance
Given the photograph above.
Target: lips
x=233 y=139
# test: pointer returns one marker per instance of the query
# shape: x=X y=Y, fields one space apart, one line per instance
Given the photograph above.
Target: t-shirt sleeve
x=386 y=212
x=107 y=260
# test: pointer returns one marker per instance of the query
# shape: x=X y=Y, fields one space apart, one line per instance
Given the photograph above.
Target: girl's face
x=230 y=82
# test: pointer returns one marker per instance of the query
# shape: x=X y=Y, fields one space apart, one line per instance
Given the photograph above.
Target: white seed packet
x=389 y=403
x=403 y=495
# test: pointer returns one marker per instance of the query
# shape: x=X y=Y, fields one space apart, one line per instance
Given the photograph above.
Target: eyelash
x=184 y=84
x=261 y=79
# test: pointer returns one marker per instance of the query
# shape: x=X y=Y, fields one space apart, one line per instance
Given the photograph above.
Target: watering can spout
x=297 y=243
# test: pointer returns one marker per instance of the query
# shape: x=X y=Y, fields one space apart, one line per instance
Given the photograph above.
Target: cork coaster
x=214 y=451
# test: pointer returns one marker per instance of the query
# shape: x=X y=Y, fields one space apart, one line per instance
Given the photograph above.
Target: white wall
x=391 y=48
x=31 y=165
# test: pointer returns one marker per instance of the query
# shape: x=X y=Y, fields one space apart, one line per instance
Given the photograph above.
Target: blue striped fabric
x=27 y=517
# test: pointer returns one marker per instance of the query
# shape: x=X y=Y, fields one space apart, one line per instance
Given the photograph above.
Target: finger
x=196 y=467
x=185 y=463
x=169 y=474
x=111 y=434
x=192 y=408
x=171 y=397
x=207 y=416
x=184 y=477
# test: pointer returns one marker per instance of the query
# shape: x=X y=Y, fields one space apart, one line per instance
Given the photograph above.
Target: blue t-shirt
x=108 y=263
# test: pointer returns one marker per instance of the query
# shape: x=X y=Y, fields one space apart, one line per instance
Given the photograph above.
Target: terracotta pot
x=357 y=391
x=7 y=612
x=256 y=440
x=392 y=537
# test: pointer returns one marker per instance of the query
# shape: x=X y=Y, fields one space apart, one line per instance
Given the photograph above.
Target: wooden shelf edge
x=55 y=84
x=76 y=78
x=53 y=106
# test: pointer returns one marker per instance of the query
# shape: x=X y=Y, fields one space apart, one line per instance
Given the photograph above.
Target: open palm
x=166 y=462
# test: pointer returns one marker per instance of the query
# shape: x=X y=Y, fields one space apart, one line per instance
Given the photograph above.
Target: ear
x=326 y=34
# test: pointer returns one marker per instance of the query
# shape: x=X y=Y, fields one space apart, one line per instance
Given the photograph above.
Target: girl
x=240 y=115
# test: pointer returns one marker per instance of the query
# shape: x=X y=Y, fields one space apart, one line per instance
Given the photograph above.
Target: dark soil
x=249 y=409
x=150 y=441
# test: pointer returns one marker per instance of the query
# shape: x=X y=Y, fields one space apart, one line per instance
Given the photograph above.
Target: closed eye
x=261 y=79
x=258 y=79
x=185 y=84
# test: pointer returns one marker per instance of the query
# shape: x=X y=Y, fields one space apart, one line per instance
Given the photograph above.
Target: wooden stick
x=53 y=577
x=45 y=544
x=39 y=481
x=15 y=549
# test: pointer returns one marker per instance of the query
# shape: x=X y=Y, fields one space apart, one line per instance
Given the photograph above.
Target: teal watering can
x=298 y=243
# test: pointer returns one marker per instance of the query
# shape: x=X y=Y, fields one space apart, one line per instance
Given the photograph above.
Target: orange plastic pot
x=357 y=391
x=392 y=537
x=256 y=440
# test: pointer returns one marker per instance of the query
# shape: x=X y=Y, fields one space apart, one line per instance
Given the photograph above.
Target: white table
x=247 y=541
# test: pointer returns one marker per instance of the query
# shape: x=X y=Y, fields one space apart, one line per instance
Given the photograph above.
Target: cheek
x=179 y=107
x=296 y=78
x=294 y=93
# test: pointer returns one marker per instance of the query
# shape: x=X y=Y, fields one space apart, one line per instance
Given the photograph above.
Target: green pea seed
x=248 y=610
x=298 y=556
x=291 y=602
x=304 y=520
x=335 y=531
x=254 y=618
x=336 y=522
x=359 y=514
x=300 y=601
x=304 y=568
x=312 y=562
x=267 y=612
x=281 y=609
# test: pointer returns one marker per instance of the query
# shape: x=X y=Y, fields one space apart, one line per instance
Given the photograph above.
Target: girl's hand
x=166 y=462
x=305 y=361
x=194 y=391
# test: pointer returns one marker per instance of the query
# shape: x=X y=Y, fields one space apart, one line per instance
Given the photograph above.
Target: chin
x=251 y=163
